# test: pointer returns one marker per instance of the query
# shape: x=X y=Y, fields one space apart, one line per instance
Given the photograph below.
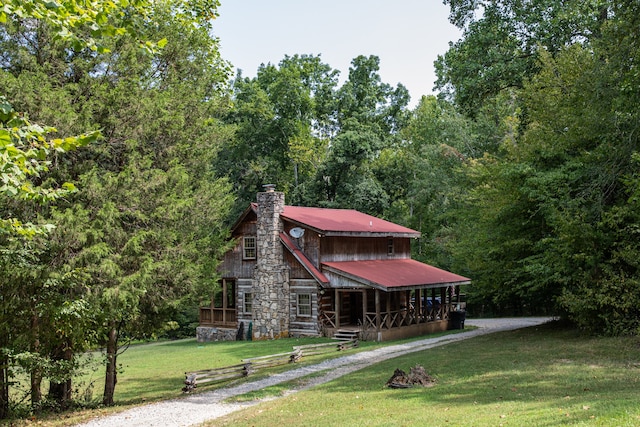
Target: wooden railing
x=328 y=318
x=218 y=316
x=405 y=317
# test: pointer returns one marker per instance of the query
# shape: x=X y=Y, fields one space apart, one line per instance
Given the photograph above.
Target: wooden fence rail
x=324 y=348
x=252 y=365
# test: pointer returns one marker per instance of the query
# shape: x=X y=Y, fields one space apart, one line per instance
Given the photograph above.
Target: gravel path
x=198 y=408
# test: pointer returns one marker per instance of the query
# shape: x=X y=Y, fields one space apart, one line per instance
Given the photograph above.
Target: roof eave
x=369 y=234
x=253 y=207
x=384 y=288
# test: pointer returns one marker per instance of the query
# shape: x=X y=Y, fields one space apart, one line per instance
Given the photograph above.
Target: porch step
x=345 y=335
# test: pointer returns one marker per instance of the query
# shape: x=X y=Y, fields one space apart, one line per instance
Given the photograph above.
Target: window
x=390 y=247
x=248 y=302
x=304 y=305
x=249 y=247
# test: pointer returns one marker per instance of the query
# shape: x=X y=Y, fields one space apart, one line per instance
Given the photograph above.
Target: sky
x=407 y=35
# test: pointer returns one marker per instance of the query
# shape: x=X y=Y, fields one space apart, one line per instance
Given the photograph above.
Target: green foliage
x=91 y=23
x=502 y=40
x=297 y=129
x=547 y=221
x=283 y=118
x=143 y=236
x=25 y=155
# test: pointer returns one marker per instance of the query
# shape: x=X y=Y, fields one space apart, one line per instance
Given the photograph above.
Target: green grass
x=543 y=376
x=156 y=371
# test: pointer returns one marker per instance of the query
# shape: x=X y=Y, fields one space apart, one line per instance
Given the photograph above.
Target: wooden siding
x=244 y=286
x=303 y=325
x=233 y=264
x=296 y=270
x=362 y=248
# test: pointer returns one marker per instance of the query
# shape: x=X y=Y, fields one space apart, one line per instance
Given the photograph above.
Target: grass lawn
x=541 y=376
x=155 y=371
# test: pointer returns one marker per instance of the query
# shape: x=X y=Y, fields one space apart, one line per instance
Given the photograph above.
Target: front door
x=355 y=308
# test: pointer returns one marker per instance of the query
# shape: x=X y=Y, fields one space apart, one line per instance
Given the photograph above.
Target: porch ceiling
x=394 y=274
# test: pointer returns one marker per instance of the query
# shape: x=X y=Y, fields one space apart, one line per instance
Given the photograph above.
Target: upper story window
x=249 y=247
x=390 y=247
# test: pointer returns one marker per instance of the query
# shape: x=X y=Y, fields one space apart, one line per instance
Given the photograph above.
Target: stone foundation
x=211 y=334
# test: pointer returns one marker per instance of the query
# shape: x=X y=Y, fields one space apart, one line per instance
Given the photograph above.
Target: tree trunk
x=111 y=379
x=4 y=386
x=36 y=387
x=60 y=392
x=36 y=372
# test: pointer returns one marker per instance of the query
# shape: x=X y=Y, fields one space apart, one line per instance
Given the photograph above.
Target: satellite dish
x=296 y=232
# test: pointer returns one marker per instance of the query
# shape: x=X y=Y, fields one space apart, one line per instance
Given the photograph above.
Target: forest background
x=522 y=173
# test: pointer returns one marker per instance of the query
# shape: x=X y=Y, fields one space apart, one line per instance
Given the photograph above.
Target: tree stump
x=417 y=376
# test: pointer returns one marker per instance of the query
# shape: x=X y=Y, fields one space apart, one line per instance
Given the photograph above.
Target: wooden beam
x=224 y=300
x=377 y=297
x=364 y=307
x=407 y=302
x=388 y=316
x=338 y=302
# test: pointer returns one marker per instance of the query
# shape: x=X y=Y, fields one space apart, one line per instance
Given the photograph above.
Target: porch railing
x=328 y=318
x=405 y=317
x=224 y=317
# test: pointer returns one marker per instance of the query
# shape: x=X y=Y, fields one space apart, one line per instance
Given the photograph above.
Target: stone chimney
x=271 y=276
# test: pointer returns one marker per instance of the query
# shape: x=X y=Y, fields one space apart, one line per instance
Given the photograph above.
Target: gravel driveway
x=198 y=408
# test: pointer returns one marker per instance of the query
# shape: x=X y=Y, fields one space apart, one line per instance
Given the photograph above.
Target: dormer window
x=249 y=247
x=390 y=246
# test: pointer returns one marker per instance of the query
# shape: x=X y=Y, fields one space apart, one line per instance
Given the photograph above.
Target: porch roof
x=394 y=274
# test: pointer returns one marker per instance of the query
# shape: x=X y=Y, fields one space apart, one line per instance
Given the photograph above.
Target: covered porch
x=222 y=311
x=388 y=299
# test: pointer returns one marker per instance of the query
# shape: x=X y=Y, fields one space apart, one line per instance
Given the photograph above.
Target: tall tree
x=369 y=115
x=501 y=42
x=156 y=108
x=283 y=118
x=545 y=220
x=423 y=174
x=152 y=213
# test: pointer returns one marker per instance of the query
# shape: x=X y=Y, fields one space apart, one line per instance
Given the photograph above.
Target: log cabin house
x=304 y=271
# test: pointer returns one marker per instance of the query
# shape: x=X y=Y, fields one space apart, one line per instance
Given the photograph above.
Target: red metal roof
x=394 y=274
x=302 y=258
x=341 y=221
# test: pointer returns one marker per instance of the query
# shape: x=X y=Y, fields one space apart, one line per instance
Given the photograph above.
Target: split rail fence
x=254 y=364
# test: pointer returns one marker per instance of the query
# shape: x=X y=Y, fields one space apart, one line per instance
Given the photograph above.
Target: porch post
x=378 y=310
x=407 y=303
x=224 y=301
x=418 y=306
x=338 y=304
x=364 y=308
x=388 y=322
